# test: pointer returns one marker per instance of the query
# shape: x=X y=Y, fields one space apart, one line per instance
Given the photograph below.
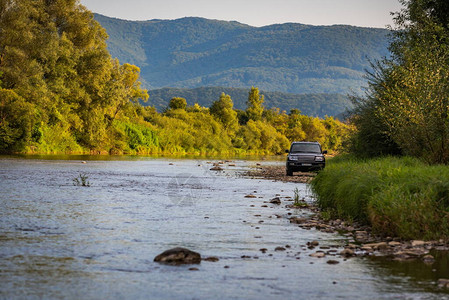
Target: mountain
x=291 y=58
x=318 y=105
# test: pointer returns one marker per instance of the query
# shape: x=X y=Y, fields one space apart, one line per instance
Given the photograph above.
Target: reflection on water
x=58 y=240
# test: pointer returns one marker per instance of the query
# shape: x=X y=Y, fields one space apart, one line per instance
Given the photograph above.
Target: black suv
x=305 y=156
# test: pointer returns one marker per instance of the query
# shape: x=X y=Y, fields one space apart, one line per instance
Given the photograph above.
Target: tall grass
x=401 y=197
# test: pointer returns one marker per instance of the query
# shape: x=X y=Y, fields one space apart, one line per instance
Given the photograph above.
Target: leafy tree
x=294 y=131
x=54 y=56
x=408 y=93
x=254 y=105
x=223 y=110
x=16 y=121
x=177 y=103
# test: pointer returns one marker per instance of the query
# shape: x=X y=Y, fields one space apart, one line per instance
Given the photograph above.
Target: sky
x=364 y=13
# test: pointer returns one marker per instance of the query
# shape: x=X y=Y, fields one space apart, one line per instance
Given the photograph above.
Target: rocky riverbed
x=361 y=242
x=278 y=173
x=63 y=240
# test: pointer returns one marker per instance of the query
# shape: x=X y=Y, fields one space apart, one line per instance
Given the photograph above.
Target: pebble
x=428 y=259
x=211 y=259
x=276 y=200
x=443 y=283
x=347 y=253
x=333 y=262
x=394 y=244
x=418 y=243
x=318 y=254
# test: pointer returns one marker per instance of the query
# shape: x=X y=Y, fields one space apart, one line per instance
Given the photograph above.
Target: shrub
x=401 y=197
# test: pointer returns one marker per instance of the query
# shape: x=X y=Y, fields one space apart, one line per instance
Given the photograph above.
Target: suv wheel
x=289 y=172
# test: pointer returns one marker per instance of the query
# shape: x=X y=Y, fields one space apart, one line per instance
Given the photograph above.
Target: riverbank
x=278 y=173
x=399 y=197
x=363 y=238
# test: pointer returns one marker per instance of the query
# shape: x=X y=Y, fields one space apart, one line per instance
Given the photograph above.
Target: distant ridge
x=318 y=105
x=292 y=58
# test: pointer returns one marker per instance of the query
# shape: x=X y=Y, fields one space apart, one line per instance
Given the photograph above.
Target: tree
x=177 y=103
x=407 y=93
x=53 y=56
x=254 y=105
x=295 y=131
x=16 y=121
x=223 y=110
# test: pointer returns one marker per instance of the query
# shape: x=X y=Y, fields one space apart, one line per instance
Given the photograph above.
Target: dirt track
x=278 y=173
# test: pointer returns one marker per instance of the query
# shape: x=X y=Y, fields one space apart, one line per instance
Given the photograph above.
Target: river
x=59 y=240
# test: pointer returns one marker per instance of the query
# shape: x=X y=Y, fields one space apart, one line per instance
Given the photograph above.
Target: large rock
x=178 y=256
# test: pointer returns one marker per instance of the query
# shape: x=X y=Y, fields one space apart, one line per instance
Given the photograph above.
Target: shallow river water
x=63 y=241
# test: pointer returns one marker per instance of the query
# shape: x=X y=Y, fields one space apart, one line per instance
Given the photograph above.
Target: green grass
x=400 y=197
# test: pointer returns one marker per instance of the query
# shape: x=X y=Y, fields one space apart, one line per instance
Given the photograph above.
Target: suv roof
x=305 y=147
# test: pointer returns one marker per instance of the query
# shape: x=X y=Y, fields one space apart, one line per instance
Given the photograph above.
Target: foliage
x=177 y=103
x=291 y=58
x=317 y=105
x=61 y=92
x=407 y=97
x=397 y=196
x=16 y=121
x=254 y=105
x=223 y=110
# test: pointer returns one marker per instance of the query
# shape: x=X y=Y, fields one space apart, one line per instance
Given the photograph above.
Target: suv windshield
x=305 y=148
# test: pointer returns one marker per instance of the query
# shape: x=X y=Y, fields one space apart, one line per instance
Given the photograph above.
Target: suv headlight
x=293 y=157
x=319 y=158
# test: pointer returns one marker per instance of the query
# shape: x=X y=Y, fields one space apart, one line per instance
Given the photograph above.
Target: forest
x=317 y=105
x=294 y=58
x=62 y=92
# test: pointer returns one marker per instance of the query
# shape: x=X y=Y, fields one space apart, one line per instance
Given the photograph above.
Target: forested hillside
x=317 y=105
x=292 y=58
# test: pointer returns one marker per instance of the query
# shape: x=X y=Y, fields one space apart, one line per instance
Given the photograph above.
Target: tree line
x=62 y=92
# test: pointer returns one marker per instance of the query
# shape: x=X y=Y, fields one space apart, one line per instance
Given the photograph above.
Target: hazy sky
x=366 y=13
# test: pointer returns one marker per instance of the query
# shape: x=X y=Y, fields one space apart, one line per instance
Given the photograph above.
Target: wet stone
x=394 y=244
x=417 y=243
x=216 y=168
x=297 y=220
x=318 y=254
x=178 y=256
x=444 y=283
x=429 y=259
x=347 y=253
x=332 y=262
x=275 y=200
x=211 y=259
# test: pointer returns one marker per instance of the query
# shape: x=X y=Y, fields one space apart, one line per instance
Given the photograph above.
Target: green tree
x=254 y=105
x=407 y=93
x=223 y=110
x=53 y=55
x=177 y=103
x=294 y=130
x=16 y=121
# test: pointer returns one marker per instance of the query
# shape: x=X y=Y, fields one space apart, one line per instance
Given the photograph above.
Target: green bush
x=401 y=197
